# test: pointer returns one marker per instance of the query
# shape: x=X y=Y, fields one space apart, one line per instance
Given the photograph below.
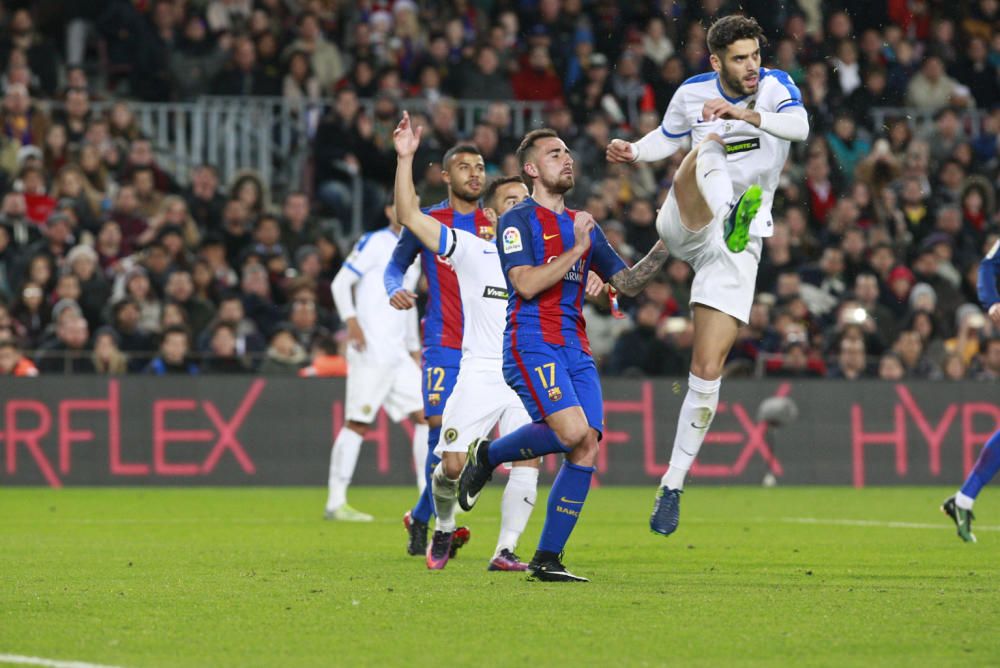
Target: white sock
x=693 y=422
x=420 y=454
x=515 y=508
x=964 y=502
x=713 y=177
x=343 y=459
x=445 y=499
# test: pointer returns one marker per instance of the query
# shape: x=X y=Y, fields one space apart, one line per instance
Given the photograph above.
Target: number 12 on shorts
x=435 y=379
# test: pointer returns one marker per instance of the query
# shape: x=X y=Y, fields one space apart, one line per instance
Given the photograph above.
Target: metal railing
x=266 y=133
x=922 y=120
x=270 y=135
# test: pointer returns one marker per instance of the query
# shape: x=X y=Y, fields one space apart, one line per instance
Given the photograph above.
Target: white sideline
x=875 y=523
x=51 y=663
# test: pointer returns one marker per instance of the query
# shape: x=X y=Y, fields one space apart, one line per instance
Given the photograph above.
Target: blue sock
x=986 y=467
x=566 y=498
x=425 y=504
x=528 y=442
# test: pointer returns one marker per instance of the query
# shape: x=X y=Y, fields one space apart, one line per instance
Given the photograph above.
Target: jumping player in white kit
x=741 y=118
x=481 y=399
x=381 y=371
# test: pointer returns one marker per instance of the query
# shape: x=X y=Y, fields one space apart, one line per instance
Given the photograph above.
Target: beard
x=559 y=185
x=465 y=193
x=736 y=83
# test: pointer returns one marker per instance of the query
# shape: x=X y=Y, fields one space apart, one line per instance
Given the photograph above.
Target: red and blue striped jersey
x=529 y=234
x=443 y=321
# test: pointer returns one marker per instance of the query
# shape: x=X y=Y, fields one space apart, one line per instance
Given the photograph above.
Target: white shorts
x=371 y=386
x=723 y=280
x=481 y=399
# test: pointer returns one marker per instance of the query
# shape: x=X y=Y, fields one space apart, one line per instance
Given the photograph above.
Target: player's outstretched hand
x=403 y=299
x=620 y=150
x=721 y=109
x=583 y=225
x=595 y=285
x=355 y=337
x=994 y=314
x=405 y=138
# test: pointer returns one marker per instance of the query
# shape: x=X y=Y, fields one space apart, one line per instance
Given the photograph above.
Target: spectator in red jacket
x=537 y=78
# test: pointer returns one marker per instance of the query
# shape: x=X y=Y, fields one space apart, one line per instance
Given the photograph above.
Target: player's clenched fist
x=620 y=150
x=403 y=299
x=405 y=139
x=994 y=314
x=719 y=108
x=583 y=225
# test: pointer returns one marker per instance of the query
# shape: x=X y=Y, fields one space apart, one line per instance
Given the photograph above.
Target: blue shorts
x=440 y=371
x=550 y=378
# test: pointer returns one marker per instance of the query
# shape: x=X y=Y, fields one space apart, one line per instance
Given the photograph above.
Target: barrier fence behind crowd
x=270 y=135
x=922 y=120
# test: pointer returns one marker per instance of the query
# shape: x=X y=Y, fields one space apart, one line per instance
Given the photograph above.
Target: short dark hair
x=732 y=28
x=222 y=324
x=494 y=185
x=175 y=329
x=263 y=218
x=230 y=295
x=457 y=150
x=529 y=141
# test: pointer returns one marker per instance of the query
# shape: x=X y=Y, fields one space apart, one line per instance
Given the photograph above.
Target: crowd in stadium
x=109 y=265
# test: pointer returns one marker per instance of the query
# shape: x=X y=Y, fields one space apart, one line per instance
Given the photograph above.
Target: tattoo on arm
x=631 y=281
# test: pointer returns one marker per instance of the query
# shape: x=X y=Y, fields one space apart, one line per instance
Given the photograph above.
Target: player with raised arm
x=741 y=118
x=464 y=172
x=959 y=506
x=546 y=251
x=480 y=399
x=381 y=373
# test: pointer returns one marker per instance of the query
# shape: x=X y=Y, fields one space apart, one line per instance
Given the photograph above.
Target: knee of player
x=707 y=369
x=585 y=454
x=452 y=466
x=573 y=435
x=359 y=428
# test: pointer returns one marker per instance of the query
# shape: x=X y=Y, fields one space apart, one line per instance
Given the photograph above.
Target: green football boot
x=737 y=231
x=962 y=518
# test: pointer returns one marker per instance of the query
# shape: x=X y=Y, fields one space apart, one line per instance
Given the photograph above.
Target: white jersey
x=755 y=156
x=389 y=333
x=483 y=288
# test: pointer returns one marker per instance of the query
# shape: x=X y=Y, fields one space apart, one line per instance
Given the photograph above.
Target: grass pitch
x=254 y=577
